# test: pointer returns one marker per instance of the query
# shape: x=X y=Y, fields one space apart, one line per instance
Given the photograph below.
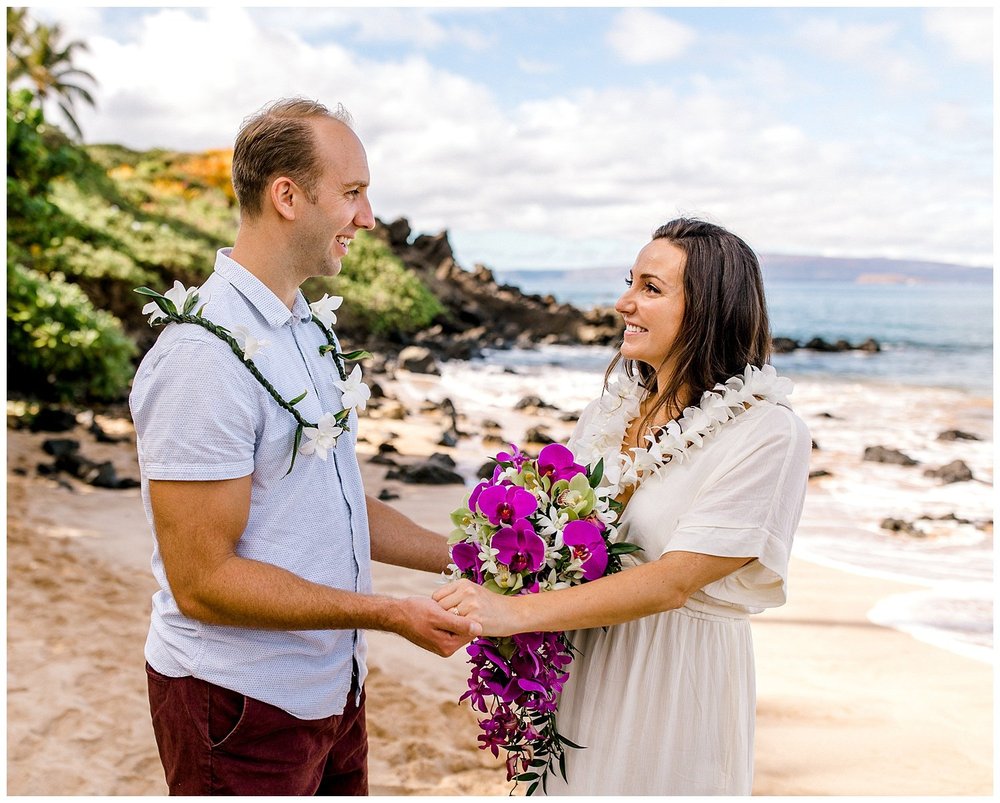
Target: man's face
x=341 y=206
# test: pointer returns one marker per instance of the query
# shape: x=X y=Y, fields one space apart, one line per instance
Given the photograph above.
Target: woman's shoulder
x=771 y=423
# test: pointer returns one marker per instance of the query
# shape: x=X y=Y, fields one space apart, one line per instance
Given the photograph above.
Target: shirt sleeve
x=196 y=411
x=750 y=507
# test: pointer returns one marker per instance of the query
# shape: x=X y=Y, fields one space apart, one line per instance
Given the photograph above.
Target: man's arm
x=198 y=525
x=400 y=541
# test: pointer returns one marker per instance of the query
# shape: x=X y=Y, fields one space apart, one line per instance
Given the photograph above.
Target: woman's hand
x=495 y=612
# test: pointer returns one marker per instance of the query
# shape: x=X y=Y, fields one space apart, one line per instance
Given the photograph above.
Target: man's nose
x=365 y=219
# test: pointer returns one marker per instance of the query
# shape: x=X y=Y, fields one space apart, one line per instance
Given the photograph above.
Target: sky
x=555 y=137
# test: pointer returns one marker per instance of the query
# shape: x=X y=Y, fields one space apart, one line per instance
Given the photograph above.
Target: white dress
x=665 y=705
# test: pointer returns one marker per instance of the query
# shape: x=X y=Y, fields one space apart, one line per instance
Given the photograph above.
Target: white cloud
x=535 y=66
x=419 y=27
x=594 y=170
x=641 y=36
x=872 y=46
x=967 y=32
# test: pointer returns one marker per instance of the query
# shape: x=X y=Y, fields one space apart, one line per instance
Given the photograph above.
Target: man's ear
x=285 y=196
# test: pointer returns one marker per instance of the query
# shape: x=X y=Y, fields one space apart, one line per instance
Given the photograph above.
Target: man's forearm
x=248 y=593
x=398 y=540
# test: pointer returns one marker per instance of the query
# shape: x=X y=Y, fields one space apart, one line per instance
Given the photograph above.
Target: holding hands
x=494 y=613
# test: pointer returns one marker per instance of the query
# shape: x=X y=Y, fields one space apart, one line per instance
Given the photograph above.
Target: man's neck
x=263 y=255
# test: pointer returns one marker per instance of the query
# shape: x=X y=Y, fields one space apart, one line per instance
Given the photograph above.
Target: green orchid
x=575 y=496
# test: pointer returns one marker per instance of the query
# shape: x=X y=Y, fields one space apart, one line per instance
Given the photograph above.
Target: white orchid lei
x=178 y=305
x=602 y=440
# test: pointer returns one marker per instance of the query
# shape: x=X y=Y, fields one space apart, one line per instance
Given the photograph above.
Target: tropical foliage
x=38 y=55
x=87 y=224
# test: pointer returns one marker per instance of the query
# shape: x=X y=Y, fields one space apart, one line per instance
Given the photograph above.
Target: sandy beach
x=845 y=706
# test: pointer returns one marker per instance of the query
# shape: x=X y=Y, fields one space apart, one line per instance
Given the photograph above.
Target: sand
x=845 y=707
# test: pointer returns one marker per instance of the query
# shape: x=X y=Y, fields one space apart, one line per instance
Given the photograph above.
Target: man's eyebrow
x=359 y=183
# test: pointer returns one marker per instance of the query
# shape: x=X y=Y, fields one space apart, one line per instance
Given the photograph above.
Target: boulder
x=880 y=454
x=387 y=496
x=418 y=360
x=57 y=447
x=900 y=526
x=51 y=419
x=783 y=345
x=955 y=471
x=533 y=403
x=819 y=473
x=426 y=473
x=957 y=435
x=538 y=435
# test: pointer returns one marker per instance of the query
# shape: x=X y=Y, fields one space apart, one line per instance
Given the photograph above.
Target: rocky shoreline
x=483 y=313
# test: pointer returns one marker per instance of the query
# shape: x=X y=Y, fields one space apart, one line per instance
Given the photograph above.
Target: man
x=255 y=654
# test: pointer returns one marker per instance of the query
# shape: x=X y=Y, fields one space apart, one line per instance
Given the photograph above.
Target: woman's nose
x=624 y=302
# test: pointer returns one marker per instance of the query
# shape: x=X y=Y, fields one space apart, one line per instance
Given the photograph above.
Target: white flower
x=178 y=295
x=355 y=392
x=321 y=437
x=250 y=344
x=324 y=309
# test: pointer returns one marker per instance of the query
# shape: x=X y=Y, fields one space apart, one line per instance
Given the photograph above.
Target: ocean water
x=935 y=373
x=931 y=334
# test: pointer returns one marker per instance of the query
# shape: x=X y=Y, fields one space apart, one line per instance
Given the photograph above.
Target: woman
x=662 y=694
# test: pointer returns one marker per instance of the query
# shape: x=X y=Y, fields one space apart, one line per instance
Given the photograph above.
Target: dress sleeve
x=749 y=507
x=195 y=413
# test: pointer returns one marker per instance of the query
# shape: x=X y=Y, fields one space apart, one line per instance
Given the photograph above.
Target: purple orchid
x=505 y=504
x=585 y=542
x=519 y=547
x=556 y=462
x=516 y=456
x=474 y=496
x=466 y=558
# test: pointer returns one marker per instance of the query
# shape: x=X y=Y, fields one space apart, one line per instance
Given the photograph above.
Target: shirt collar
x=260 y=296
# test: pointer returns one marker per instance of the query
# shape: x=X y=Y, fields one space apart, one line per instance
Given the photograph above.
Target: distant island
x=785 y=268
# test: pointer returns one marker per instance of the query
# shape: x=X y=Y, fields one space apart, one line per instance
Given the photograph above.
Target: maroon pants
x=213 y=741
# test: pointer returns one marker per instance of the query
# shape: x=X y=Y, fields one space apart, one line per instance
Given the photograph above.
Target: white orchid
x=178 y=295
x=324 y=309
x=250 y=344
x=356 y=393
x=321 y=437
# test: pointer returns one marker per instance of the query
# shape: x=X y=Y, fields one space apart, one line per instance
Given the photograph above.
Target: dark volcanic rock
x=486 y=470
x=426 y=473
x=880 y=454
x=783 y=345
x=538 y=435
x=57 y=447
x=819 y=473
x=957 y=435
x=50 y=419
x=955 y=471
x=419 y=360
x=387 y=496
x=533 y=403
x=900 y=526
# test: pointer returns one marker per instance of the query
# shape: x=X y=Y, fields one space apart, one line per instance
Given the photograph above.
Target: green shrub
x=379 y=292
x=58 y=346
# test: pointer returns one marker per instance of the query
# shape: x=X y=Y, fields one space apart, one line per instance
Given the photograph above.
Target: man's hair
x=278 y=141
x=725 y=323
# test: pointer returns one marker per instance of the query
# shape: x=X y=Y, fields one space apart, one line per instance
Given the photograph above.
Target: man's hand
x=427 y=625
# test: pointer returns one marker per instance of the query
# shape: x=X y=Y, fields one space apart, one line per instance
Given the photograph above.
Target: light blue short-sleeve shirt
x=199 y=414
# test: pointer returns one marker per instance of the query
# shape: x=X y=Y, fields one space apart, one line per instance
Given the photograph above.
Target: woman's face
x=653 y=305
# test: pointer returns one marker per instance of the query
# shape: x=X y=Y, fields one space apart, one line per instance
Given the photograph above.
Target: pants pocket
x=227 y=711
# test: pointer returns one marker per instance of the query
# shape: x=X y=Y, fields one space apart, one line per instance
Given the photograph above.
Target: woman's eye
x=652 y=288
x=628 y=281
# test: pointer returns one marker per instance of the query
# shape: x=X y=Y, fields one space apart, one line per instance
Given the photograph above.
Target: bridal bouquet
x=537 y=525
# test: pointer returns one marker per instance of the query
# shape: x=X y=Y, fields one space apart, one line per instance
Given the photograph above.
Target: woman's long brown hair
x=724 y=326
